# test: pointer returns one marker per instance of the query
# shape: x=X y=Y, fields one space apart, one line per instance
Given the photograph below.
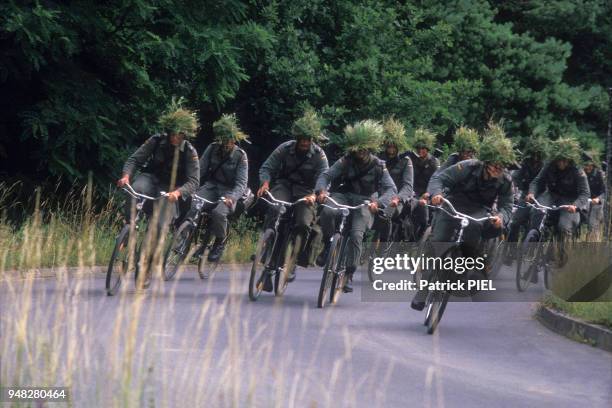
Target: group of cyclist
x=377 y=169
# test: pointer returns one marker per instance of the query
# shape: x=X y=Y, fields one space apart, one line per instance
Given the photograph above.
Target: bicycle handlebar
x=537 y=205
x=202 y=199
x=458 y=215
x=130 y=190
x=343 y=206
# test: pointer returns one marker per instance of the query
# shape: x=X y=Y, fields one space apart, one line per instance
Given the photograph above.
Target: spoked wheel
x=338 y=283
x=526 y=262
x=119 y=262
x=178 y=250
x=372 y=251
x=435 y=304
x=206 y=268
x=261 y=263
x=289 y=264
x=329 y=270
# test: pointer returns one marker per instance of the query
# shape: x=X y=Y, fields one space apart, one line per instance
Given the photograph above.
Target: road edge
x=575 y=329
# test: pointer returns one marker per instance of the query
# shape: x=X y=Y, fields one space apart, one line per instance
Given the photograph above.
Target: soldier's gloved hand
x=571 y=209
x=310 y=199
x=436 y=200
x=228 y=201
x=529 y=198
x=264 y=187
x=496 y=221
x=373 y=207
x=322 y=196
x=123 y=181
x=394 y=202
x=174 y=196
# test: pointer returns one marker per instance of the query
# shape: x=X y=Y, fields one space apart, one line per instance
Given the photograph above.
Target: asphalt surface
x=203 y=343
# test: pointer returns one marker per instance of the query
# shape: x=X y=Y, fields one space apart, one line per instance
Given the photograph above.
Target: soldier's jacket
x=451 y=160
x=570 y=184
x=465 y=186
x=156 y=155
x=371 y=180
x=596 y=183
x=229 y=172
x=287 y=166
x=401 y=172
x=423 y=170
x=523 y=177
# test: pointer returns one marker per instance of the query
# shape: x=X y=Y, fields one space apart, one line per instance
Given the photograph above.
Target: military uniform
x=401 y=172
x=451 y=160
x=522 y=178
x=222 y=176
x=155 y=159
x=293 y=175
x=553 y=186
x=472 y=194
x=597 y=187
x=352 y=184
x=423 y=170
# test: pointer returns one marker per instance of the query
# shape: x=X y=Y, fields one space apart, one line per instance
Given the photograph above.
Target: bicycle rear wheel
x=178 y=250
x=526 y=262
x=329 y=270
x=261 y=263
x=289 y=264
x=119 y=262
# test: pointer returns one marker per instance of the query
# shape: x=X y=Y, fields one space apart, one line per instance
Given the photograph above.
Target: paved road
x=203 y=343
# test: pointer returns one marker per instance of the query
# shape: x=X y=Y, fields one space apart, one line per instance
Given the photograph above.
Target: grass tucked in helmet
x=565 y=148
x=179 y=120
x=366 y=135
x=592 y=156
x=307 y=127
x=536 y=146
x=394 y=133
x=497 y=150
x=466 y=140
x=226 y=129
x=423 y=139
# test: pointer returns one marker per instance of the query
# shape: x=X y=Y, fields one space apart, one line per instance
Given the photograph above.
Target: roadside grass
x=592 y=312
x=73 y=232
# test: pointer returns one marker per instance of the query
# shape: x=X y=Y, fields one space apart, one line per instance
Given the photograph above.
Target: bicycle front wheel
x=118 y=265
x=436 y=305
x=526 y=263
x=289 y=265
x=178 y=250
x=329 y=270
x=261 y=263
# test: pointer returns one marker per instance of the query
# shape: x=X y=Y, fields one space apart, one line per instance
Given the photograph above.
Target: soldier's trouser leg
x=146 y=184
x=420 y=217
x=595 y=216
x=303 y=215
x=519 y=218
x=280 y=192
x=361 y=220
x=568 y=223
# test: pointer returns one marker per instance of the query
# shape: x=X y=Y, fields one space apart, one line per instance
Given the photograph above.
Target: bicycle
x=436 y=300
x=189 y=230
x=536 y=249
x=128 y=245
x=277 y=250
x=334 y=270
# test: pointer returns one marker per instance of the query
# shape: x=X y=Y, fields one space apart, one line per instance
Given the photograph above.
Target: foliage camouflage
x=465 y=140
x=226 y=128
x=496 y=147
x=424 y=138
x=536 y=146
x=308 y=126
x=366 y=134
x=394 y=133
x=177 y=119
x=566 y=148
x=88 y=78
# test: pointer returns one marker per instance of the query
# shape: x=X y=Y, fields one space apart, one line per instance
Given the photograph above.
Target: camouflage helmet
x=423 y=138
x=466 y=140
x=177 y=119
x=363 y=135
x=394 y=133
x=536 y=146
x=566 y=148
x=592 y=156
x=307 y=127
x=496 y=147
x=226 y=129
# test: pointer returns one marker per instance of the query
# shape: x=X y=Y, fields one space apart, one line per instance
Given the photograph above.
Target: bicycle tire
x=329 y=270
x=206 y=268
x=526 y=267
x=119 y=261
x=289 y=264
x=261 y=261
x=177 y=250
x=438 y=307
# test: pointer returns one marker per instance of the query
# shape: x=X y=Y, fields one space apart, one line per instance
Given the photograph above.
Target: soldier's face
x=303 y=145
x=495 y=170
x=228 y=146
x=422 y=152
x=466 y=155
x=391 y=151
x=588 y=168
x=176 y=138
x=361 y=155
x=562 y=164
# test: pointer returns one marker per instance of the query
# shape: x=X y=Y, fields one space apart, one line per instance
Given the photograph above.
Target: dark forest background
x=82 y=82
